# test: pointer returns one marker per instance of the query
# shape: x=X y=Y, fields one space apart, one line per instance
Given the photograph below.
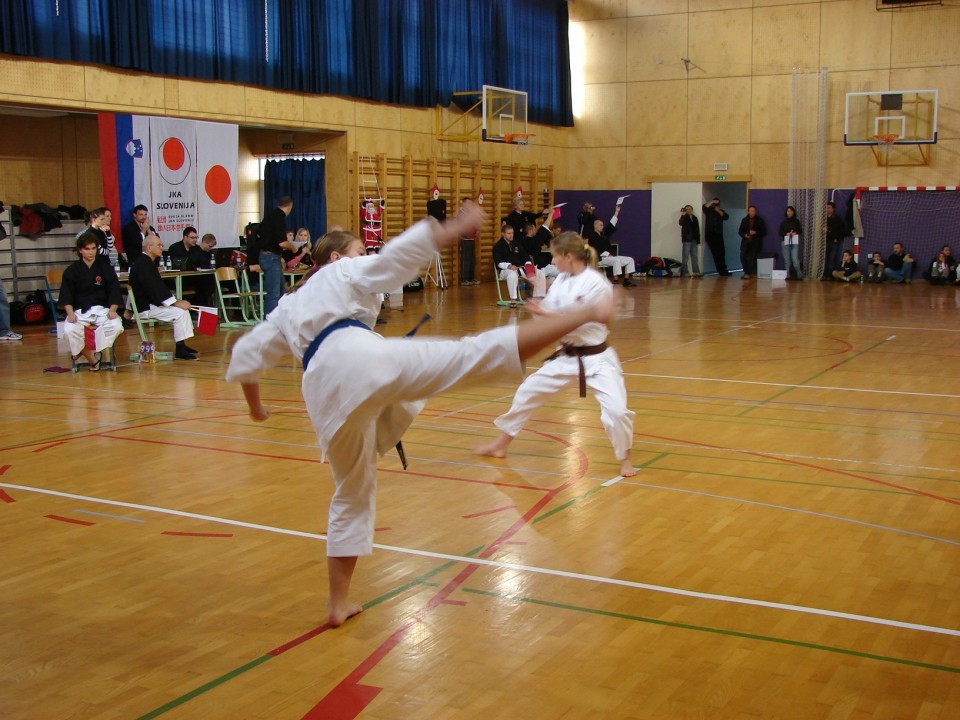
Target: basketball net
x=521 y=140
x=885 y=141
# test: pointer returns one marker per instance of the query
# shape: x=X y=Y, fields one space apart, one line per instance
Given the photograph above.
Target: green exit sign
x=719 y=177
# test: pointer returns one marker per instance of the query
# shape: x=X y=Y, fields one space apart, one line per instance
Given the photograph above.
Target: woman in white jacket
x=583 y=355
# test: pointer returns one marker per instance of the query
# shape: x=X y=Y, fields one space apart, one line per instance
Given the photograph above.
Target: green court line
x=204 y=688
x=715 y=631
x=783 y=392
x=589 y=492
x=216 y=682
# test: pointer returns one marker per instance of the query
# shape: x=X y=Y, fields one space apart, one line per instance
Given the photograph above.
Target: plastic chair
x=246 y=300
x=54 y=277
x=508 y=302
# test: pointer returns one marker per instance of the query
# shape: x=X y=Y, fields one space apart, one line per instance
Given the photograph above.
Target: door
x=666 y=204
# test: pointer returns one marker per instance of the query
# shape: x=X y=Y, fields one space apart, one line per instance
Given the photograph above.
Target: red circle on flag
x=174 y=153
x=217 y=184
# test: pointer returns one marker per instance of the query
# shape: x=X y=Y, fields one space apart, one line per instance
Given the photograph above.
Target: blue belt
x=311 y=351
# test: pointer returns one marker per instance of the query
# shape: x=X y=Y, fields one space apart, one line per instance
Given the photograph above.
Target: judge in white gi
x=583 y=355
x=325 y=321
x=90 y=295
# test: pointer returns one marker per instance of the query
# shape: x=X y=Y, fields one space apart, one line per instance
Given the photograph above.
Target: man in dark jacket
x=135 y=232
x=156 y=302
x=752 y=231
x=835 y=231
x=272 y=243
x=713 y=218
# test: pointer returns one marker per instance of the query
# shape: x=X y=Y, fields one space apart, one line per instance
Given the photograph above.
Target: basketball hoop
x=886 y=139
x=521 y=139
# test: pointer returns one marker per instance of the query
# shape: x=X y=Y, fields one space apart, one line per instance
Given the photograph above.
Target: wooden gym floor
x=789 y=549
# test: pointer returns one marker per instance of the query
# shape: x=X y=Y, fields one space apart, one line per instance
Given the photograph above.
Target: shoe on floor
x=745 y=276
x=190 y=349
x=181 y=355
x=10 y=336
x=627 y=283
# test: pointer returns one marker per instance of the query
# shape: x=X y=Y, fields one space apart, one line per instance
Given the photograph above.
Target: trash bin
x=765 y=263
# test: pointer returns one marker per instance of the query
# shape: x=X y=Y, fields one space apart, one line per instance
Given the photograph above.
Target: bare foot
x=337 y=616
x=497 y=448
x=627 y=469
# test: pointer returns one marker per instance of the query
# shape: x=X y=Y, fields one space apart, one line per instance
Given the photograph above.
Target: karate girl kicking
x=583 y=355
x=325 y=322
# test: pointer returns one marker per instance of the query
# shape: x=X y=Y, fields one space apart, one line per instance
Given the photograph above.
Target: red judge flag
x=208 y=320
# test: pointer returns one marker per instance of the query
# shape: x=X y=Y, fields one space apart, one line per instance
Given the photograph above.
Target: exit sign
x=719 y=177
x=286 y=146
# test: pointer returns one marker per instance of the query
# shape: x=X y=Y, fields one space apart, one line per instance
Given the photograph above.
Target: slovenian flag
x=125 y=162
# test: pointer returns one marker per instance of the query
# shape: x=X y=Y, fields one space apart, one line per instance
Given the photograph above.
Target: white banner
x=173 y=170
x=217 y=160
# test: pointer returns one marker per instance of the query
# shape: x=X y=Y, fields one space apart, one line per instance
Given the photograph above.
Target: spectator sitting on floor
x=848 y=270
x=899 y=265
x=875 y=269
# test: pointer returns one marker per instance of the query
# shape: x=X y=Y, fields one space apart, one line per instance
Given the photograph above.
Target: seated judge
x=90 y=295
x=511 y=259
x=151 y=293
x=599 y=239
x=200 y=257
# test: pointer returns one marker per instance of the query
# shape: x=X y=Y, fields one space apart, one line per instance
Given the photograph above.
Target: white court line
x=784 y=322
x=788 y=385
x=698 y=340
x=516 y=566
x=802 y=511
x=612 y=481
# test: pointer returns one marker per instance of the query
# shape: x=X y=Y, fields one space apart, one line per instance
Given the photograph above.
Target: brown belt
x=579 y=351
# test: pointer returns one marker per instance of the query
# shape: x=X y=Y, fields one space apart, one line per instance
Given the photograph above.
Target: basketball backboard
x=909 y=115
x=504 y=114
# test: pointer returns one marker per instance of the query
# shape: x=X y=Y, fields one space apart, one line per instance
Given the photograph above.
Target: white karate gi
x=106 y=333
x=620 y=263
x=603 y=372
x=539 y=281
x=362 y=390
x=182 y=322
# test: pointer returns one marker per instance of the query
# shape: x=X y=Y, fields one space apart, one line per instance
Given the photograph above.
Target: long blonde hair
x=334 y=241
x=570 y=243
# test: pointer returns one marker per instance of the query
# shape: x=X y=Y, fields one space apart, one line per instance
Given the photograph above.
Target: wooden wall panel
x=700 y=158
x=637 y=8
x=605 y=51
x=656 y=113
x=597 y=9
x=712 y=106
x=645 y=162
x=605 y=124
x=720 y=43
x=865 y=49
x=220 y=100
x=785 y=37
x=925 y=38
x=656 y=45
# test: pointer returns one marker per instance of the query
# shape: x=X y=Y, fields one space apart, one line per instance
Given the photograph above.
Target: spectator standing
x=713 y=218
x=790 y=233
x=690 y=240
x=752 y=231
x=273 y=241
x=835 y=232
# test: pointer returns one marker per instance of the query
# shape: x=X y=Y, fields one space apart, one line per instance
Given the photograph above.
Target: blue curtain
x=304 y=181
x=407 y=52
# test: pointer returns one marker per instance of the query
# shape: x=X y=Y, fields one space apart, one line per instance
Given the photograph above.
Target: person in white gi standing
x=584 y=355
x=325 y=321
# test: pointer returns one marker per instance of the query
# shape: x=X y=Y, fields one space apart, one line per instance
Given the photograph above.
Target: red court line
x=197 y=534
x=5 y=497
x=488 y=512
x=349 y=698
x=298 y=640
x=53 y=445
x=61 y=518
x=4 y=468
